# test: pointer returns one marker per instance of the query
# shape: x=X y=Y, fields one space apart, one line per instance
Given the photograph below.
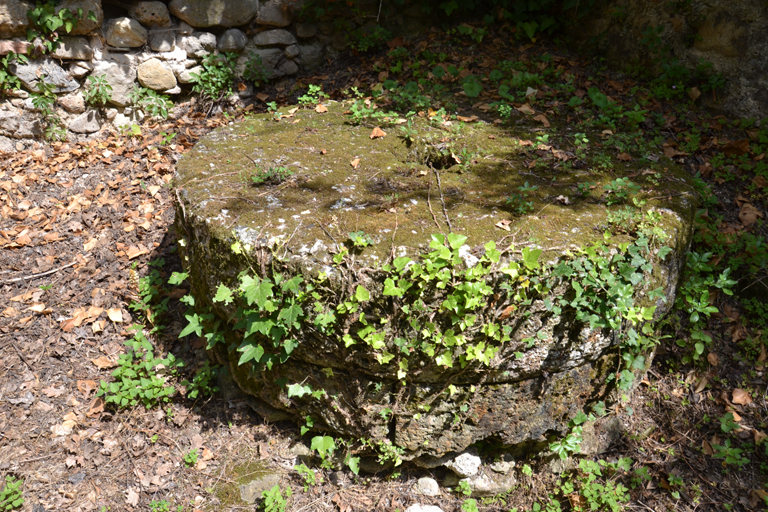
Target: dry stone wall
x=155 y=44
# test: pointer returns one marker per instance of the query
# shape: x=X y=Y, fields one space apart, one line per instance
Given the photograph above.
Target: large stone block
x=470 y=337
x=85 y=25
x=120 y=73
x=125 y=33
x=73 y=48
x=213 y=13
x=151 y=14
x=156 y=75
x=13 y=17
x=45 y=69
x=275 y=13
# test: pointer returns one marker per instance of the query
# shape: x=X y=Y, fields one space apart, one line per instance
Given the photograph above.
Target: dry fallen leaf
x=115 y=314
x=525 y=109
x=97 y=406
x=748 y=214
x=133 y=497
x=736 y=147
x=741 y=397
x=707 y=448
x=377 y=133
x=504 y=224
x=470 y=119
x=713 y=359
x=624 y=157
x=354 y=163
x=52 y=392
x=103 y=362
x=321 y=109
x=64 y=429
x=760 y=436
x=86 y=387
x=542 y=119
x=135 y=252
x=694 y=93
x=90 y=244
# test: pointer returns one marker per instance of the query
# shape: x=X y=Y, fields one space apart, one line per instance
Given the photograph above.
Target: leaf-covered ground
x=81 y=222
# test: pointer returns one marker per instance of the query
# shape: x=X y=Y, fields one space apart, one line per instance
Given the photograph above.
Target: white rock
x=125 y=33
x=465 y=465
x=427 y=486
x=89 y=122
x=156 y=75
x=417 y=507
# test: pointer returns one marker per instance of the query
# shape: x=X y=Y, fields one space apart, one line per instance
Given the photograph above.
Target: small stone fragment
x=277 y=37
x=233 y=40
x=274 y=13
x=151 y=14
x=251 y=491
x=88 y=122
x=417 y=507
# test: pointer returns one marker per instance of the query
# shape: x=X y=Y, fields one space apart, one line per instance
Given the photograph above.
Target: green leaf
x=223 y=294
x=361 y=294
x=177 y=278
x=664 y=251
x=256 y=291
x=391 y=289
x=445 y=359
x=194 y=326
x=323 y=444
x=250 y=352
x=456 y=241
x=290 y=315
x=531 y=258
x=353 y=463
x=298 y=390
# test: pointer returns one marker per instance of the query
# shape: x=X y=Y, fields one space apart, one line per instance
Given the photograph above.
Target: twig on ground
x=41 y=274
x=442 y=200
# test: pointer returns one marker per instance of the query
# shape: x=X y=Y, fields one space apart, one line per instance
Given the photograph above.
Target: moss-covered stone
x=447 y=177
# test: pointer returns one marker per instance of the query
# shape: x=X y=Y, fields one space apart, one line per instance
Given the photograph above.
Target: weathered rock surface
x=156 y=75
x=418 y=507
x=120 y=73
x=162 y=40
x=274 y=13
x=197 y=44
x=19 y=125
x=85 y=25
x=13 y=17
x=277 y=37
x=427 y=486
x=73 y=48
x=72 y=103
x=729 y=35
x=251 y=492
x=125 y=33
x=45 y=69
x=233 y=40
x=88 y=122
x=150 y=14
x=552 y=366
x=211 y=13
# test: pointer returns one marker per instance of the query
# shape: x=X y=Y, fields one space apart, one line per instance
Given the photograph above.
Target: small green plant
x=272 y=176
x=309 y=476
x=160 y=506
x=151 y=102
x=620 y=190
x=368 y=40
x=44 y=101
x=519 y=203
x=140 y=378
x=8 y=81
x=190 y=458
x=11 y=496
x=727 y=424
x=201 y=383
x=464 y=488
x=469 y=505
x=360 y=239
x=730 y=454
x=216 y=78
x=274 y=501
x=255 y=71
x=313 y=96
x=97 y=91
x=46 y=21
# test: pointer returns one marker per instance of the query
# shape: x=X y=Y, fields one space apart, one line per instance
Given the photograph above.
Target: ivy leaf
x=194 y=326
x=323 y=444
x=256 y=291
x=250 y=352
x=290 y=345
x=177 y=278
x=531 y=258
x=361 y=294
x=353 y=463
x=445 y=359
x=290 y=315
x=391 y=289
x=664 y=251
x=456 y=241
x=298 y=390
x=223 y=294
